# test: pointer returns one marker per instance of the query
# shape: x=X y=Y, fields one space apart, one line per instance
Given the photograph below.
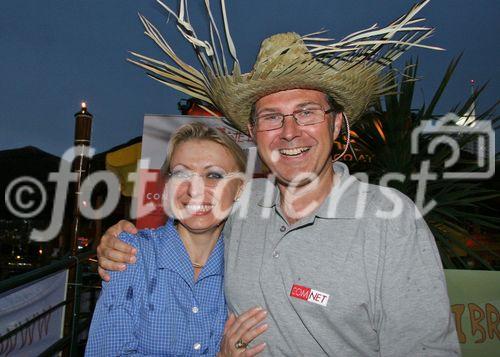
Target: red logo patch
x=308 y=294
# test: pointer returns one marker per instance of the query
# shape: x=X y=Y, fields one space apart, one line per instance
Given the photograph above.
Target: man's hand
x=112 y=252
x=242 y=330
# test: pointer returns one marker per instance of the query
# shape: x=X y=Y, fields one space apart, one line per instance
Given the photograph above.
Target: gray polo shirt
x=342 y=281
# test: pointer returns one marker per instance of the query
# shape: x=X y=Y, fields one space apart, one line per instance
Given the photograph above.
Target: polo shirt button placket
x=276 y=253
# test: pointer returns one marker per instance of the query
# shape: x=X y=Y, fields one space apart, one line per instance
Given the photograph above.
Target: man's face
x=292 y=152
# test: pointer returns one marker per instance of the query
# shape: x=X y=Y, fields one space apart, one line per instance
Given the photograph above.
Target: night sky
x=55 y=53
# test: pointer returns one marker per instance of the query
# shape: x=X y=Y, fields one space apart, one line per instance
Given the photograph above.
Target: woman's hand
x=112 y=252
x=241 y=331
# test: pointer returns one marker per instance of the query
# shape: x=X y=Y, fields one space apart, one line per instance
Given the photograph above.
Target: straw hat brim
x=353 y=89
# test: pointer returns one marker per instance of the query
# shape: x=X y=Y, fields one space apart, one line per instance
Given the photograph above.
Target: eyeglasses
x=303 y=117
x=210 y=179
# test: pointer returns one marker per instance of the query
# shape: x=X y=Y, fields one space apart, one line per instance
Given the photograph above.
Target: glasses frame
x=293 y=115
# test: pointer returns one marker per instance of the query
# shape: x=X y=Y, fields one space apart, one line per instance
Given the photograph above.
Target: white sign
x=17 y=306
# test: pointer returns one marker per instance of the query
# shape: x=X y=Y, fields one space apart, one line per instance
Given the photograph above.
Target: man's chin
x=294 y=181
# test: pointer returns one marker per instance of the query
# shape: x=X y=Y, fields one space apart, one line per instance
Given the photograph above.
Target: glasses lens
x=269 y=122
x=309 y=116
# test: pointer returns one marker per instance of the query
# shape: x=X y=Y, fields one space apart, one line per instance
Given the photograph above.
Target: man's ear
x=250 y=131
x=337 y=125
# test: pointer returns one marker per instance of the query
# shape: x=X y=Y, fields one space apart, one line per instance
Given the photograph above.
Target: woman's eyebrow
x=214 y=167
x=181 y=166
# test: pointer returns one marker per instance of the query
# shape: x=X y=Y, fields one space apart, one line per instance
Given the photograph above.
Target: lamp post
x=83 y=129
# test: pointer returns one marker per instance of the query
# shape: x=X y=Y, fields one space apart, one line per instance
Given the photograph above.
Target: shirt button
x=197 y=346
x=282 y=228
x=276 y=254
x=195 y=309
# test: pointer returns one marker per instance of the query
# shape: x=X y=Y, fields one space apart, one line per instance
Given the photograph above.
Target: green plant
x=384 y=135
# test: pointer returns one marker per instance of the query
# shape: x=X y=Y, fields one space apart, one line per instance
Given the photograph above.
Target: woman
x=171 y=302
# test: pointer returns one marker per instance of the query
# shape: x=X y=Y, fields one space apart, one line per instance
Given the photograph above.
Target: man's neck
x=299 y=202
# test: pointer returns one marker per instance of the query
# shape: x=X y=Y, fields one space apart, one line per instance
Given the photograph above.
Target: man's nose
x=290 y=129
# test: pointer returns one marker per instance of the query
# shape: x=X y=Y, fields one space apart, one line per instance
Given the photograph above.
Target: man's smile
x=294 y=151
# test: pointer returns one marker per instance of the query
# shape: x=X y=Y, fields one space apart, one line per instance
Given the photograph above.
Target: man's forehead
x=292 y=97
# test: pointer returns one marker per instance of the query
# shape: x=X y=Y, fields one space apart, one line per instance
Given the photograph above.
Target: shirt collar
x=341 y=202
x=271 y=200
x=172 y=254
x=346 y=197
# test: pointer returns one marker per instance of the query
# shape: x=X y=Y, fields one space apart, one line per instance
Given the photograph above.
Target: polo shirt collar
x=172 y=255
x=272 y=200
x=342 y=200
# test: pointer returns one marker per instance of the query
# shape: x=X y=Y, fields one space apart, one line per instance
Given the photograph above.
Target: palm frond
x=462 y=205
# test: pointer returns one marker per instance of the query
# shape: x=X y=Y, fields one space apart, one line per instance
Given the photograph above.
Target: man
x=342 y=267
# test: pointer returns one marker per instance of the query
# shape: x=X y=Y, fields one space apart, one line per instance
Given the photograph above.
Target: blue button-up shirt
x=155 y=307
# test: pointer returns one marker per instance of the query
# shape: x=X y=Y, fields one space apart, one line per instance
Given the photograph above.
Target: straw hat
x=350 y=70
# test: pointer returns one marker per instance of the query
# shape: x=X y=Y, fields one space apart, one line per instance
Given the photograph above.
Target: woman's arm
x=112 y=329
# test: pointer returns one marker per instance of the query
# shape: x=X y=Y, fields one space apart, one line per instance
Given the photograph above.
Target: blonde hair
x=199 y=131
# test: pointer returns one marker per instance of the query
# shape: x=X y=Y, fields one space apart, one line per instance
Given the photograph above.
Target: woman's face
x=199 y=193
